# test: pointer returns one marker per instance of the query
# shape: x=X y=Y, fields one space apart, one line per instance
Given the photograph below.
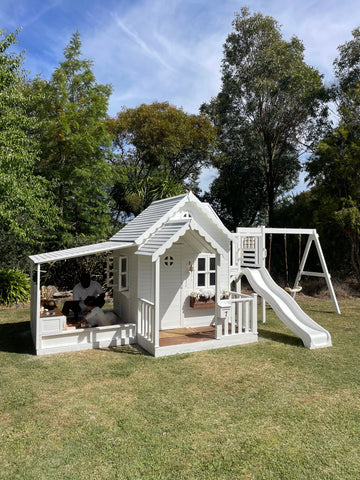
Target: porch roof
x=170 y=233
x=79 y=251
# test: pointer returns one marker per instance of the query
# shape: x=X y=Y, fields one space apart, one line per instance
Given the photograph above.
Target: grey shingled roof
x=162 y=236
x=147 y=219
x=151 y=229
x=170 y=233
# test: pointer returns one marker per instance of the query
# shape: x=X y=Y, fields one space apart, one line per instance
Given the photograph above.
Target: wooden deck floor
x=180 y=336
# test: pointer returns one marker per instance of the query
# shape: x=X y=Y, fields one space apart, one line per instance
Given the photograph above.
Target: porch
x=235 y=324
x=180 y=336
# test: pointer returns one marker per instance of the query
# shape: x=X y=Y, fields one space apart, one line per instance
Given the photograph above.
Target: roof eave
x=82 y=251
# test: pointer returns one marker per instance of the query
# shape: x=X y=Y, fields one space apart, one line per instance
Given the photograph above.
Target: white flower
x=208 y=292
x=196 y=294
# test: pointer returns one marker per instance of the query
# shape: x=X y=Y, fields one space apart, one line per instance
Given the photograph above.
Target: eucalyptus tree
x=266 y=111
x=27 y=214
x=161 y=150
x=75 y=145
x=334 y=169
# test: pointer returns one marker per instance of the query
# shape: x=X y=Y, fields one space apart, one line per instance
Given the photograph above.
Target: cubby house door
x=170 y=289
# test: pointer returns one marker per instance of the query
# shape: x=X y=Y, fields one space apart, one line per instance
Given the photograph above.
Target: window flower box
x=202 y=302
x=205 y=297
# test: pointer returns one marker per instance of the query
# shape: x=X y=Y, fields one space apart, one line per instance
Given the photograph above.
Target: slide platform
x=285 y=307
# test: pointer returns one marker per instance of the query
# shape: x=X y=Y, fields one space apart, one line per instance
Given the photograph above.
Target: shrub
x=14 y=287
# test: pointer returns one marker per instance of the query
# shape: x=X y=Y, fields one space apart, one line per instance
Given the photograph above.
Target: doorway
x=171 y=280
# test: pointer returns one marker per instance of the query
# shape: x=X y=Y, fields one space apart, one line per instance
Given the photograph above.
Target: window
x=123 y=273
x=206 y=271
x=168 y=261
x=249 y=243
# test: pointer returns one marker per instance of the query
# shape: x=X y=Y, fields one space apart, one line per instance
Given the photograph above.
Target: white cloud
x=152 y=53
x=172 y=51
x=144 y=47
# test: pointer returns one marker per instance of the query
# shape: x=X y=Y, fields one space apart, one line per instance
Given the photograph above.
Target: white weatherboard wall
x=122 y=299
x=146 y=278
x=202 y=217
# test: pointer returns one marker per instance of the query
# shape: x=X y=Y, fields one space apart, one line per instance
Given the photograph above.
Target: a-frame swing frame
x=312 y=237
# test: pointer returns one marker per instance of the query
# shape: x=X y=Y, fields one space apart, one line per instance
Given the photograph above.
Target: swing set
x=312 y=237
x=296 y=288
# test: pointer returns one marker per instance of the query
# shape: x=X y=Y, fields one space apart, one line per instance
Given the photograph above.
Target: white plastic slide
x=285 y=307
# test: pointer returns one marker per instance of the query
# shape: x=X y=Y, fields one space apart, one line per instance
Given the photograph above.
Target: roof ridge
x=165 y=199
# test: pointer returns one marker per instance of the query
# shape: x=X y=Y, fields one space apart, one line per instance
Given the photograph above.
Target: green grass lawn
x=271 y=410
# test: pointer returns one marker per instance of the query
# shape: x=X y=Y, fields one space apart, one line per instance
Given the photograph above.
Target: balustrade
x=240 y=318
x=146 y=311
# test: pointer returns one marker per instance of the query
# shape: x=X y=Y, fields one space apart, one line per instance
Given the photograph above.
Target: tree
x=347 y=73
x=75 y=145
x=161 y=150
x=27 y=214
x=334 y=168
x=266 y=112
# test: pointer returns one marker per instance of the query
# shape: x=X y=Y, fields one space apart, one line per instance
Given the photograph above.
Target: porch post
x=254 y=313
x=157 y=302
x=32 y=303
x=217 y=279
x=218 y=321
x=37 y=309
x=263 y=309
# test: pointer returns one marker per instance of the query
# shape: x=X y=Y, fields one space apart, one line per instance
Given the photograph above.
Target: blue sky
x=166 y=49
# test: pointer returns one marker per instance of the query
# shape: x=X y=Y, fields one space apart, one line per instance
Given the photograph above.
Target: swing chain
x=270 y=248
x=286 y=262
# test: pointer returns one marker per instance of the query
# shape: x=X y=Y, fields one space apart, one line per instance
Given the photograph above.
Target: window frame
x=206 y=272
x=123 y=273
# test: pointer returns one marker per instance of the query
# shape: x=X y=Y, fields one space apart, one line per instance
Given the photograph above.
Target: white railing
x=146 y=322
x=240 y=318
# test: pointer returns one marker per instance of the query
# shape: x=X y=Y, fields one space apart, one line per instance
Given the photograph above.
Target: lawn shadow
x=133 y=349
x=280 y=337
x=16 y=338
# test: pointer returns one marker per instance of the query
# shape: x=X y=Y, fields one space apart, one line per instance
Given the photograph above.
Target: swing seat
x=293 y=290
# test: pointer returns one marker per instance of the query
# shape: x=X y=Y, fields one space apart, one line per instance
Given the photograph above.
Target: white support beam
x=294 y=231
x=37 y=308
x=327 y=274
x=157 y=302
x=263 y=310
x=217 y=282
x=314 y=274
x=314 y=237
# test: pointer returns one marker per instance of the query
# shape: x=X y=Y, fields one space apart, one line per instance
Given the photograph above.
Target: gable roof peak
x=158 y=213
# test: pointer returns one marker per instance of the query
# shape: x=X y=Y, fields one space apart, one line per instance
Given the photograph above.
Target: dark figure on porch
x=85 y=288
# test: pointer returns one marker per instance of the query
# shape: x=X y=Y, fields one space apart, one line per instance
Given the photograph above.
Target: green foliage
x=335 y=166
x=14 y=287
x=161 y=151
x=347 y=71
x=266 y=111
x=75 y=145
x=27 y=214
